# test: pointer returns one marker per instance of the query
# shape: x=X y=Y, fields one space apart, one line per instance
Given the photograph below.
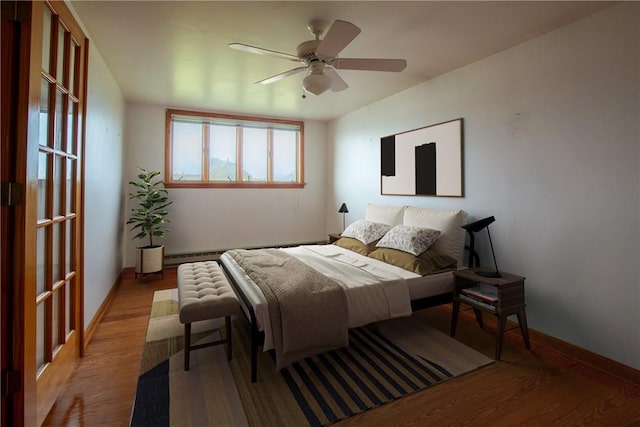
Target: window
x=219 y=150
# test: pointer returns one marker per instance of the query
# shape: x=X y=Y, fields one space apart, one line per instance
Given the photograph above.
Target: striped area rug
x=383 y=362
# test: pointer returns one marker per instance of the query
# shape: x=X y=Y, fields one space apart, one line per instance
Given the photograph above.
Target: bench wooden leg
x=227 y=321
x=187 y=345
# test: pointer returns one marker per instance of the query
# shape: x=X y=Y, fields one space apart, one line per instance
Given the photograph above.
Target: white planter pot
x=149 y=259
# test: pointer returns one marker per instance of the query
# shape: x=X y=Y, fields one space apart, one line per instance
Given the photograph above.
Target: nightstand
x=505 y=297
x=333 y=237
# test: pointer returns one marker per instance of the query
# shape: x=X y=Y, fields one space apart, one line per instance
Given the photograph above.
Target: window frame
x=240 y=120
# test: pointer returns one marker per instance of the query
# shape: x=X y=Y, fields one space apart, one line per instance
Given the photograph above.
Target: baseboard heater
x=176 y=259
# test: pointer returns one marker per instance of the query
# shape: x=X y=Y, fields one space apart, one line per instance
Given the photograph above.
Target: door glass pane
x=285 y=156
x=222 y=153
x=46 y=39
x=57 y=185
x=40 y=261
x=43 y=137
x=69 y=183
x=72 y=68
x=254 y=154
x=40 y=336
x=56 y=253
x=70 y=147
x=60 y=58
x=43 y=168
x=67 y=314
x=187 y=151
x=57 y=130
x=67 y=248
x=55 y=318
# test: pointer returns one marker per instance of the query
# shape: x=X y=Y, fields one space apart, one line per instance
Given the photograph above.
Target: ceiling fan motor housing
x=306 y=51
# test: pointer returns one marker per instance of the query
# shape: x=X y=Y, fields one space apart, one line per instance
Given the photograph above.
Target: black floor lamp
x=343 y=210
x=474 y=227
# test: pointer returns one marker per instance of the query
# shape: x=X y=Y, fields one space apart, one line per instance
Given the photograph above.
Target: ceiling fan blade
x=337 y=84
x=261 y=51
x=281 y=76
x=369 y=64
x=337 y=38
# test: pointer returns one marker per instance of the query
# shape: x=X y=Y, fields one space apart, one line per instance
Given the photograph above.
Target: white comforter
x=375 y=290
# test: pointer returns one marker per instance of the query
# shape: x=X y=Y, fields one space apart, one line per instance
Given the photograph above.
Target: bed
x=373 y=283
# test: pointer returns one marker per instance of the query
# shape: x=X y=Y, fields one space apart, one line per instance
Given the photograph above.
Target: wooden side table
x=333 y=237
x=509 y=300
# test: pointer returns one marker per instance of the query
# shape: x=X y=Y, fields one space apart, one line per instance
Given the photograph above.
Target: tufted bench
x=203 y=294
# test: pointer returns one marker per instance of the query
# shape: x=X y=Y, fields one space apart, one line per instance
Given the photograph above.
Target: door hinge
x=11 y=382
x=12 y=194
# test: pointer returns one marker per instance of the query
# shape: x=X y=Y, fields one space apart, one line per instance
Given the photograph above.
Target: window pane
x=43 y=169
x=55 y=318
x=70 y=148
x=40 y=336
x=69 y=183
x=285 y=156
x=59 y=68
x=68 y=236
x=57 y=130
x=57 y=185
x=46 y=39
x=56 y=253
x=187 y=152
x=222 y=153
x=40 y=261
x=254 y=154
x=67 y=314
x=72 y=68
x=44 y=113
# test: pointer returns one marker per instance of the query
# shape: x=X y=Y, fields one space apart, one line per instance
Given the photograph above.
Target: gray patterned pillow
x=414 y=240
x=366 y=231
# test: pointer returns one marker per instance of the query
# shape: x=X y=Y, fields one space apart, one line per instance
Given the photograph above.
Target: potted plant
x=149 y=220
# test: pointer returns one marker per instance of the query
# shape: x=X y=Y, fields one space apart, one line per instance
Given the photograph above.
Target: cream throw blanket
x=308 y=310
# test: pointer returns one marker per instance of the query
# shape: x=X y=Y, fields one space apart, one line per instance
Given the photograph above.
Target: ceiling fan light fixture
x=316 y=84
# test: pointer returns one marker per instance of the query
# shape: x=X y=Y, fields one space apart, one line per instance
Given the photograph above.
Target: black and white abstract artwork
x=423 y=162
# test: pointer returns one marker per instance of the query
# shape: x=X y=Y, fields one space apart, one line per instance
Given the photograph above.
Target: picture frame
x=427 y=161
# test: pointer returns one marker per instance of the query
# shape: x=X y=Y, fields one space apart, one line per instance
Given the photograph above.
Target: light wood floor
x=554 y=384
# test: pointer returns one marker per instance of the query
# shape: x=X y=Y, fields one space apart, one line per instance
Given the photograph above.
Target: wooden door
x=45 y=286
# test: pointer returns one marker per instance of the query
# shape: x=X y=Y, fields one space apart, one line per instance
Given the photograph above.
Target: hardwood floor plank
x=548 y=385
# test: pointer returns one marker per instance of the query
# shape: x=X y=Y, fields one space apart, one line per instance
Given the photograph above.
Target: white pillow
x=391 y=215
x=448 y=222
x=414 y=240
x=366 y=231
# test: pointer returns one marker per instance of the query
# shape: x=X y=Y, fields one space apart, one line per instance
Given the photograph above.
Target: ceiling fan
x=320 y=58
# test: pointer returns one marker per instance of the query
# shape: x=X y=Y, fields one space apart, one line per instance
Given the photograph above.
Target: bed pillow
x=430 y=262
x=448 y=222
x=355 y=245
x=414 y=240
x=366 y=231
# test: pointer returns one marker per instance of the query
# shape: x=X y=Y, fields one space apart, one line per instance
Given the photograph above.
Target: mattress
x=375 y=290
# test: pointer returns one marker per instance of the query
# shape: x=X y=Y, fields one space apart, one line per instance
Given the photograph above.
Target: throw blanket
x=308 y=311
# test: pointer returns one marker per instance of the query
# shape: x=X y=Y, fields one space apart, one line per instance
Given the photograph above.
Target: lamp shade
x=316 y=83
x=343 y=208
x=479 y=225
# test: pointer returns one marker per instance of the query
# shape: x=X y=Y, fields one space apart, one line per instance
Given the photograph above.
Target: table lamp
x=343 y=210
x=474 y=227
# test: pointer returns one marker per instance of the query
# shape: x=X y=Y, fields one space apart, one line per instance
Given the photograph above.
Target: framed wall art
x=423 y=162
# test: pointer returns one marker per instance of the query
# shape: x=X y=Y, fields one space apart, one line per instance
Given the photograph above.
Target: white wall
x=551 y=148
x=103 y=179
x=214 y=219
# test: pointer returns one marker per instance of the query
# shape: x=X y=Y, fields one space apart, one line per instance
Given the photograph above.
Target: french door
x=46 y=225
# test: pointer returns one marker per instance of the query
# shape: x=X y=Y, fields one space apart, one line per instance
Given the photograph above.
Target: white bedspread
x=375 y=290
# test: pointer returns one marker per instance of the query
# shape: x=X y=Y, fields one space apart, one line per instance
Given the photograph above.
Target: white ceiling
x=175 y=53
